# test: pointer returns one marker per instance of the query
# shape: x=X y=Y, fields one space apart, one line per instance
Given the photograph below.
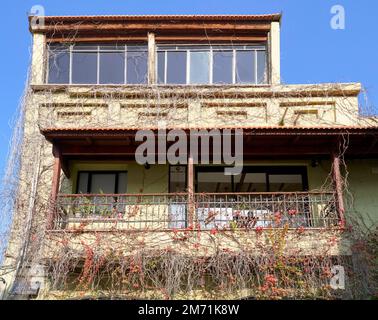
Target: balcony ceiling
x=259 y=142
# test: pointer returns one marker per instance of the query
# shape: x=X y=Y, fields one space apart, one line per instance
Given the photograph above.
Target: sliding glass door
x=253 y=198
x=211 y=179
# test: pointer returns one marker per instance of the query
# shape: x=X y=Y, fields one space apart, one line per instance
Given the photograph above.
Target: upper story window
x=97 y=64
x=211 y=64
x=176 y=64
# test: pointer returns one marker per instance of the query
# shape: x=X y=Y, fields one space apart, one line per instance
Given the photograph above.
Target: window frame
x=98 y=49
x=188 y=48
x=268 y=170
x=91 y=172
x=169 y=175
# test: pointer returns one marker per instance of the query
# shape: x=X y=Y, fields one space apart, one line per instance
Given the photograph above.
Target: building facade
x=90 y=219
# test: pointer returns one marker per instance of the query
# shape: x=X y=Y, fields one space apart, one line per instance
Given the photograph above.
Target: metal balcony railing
x=203 y=211
x=266 y=210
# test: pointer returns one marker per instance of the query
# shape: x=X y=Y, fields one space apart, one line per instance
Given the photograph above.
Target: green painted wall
x=363 y=187
x=140 y=179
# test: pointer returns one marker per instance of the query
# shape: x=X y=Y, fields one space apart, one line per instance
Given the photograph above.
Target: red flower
x=292 y=212
x=196 y=245
x=271 y=280
x=300 y=230
x=277 y=217
x=213 y=231
x=259 y=229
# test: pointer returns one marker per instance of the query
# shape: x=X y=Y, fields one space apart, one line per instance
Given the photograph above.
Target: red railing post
x=338 y=183
x=55 y=187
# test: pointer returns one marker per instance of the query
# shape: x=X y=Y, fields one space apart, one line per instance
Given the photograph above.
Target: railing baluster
x=223 y=210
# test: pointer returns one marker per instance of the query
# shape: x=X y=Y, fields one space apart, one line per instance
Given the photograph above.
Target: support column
x=38 y=58
x=151 y=58
x=274 y=54
x=191 y=205
x=338 y=183
x=55 y=186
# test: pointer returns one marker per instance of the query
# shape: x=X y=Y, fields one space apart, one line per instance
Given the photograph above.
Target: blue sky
x=311 y=50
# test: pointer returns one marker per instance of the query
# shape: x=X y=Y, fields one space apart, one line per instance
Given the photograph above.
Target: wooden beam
x=140 y=38
x=65 y=167
x=57 y=166
x=338 y=183
x=250 y=150
x=213 y=39
x=295 y=140
x=117 y=27
x=373 y=143
x=95 y=38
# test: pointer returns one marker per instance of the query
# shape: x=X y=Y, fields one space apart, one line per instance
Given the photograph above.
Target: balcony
x=200 y=211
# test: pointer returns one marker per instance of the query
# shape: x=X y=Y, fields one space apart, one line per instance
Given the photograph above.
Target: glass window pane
x=122 y=182
x=112 y=67
x=136 y=67
x=111 y=47
x=245 y=67
x=251 y=182
x=137 y=48
x=59 y=67
x=261 y=67
x=214 y=182
x=222 y=67
x=176 y=68
x=199 y=67
x=103 y=183
x=84 y=67
x=82 y=185
x=161 y=66
x=285 y=182
x=177 y=179
x=85 y=47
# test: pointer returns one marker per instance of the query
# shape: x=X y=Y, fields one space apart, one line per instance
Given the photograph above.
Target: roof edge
x=171 y=19
x=271 y=17
x=337 y=128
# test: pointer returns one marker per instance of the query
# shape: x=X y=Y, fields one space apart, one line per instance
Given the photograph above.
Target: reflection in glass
x=136 y=67
x=84 y=67
x=59 y=67
x=176 y=67
x=222 y=67
x=199 y=67
x=245 y=67
x=112 y=66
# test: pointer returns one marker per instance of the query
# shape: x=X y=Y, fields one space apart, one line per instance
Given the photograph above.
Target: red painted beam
x=338 y=183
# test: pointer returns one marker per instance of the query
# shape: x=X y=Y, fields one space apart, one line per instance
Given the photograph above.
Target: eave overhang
x=258 y=142
x=181 y=28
